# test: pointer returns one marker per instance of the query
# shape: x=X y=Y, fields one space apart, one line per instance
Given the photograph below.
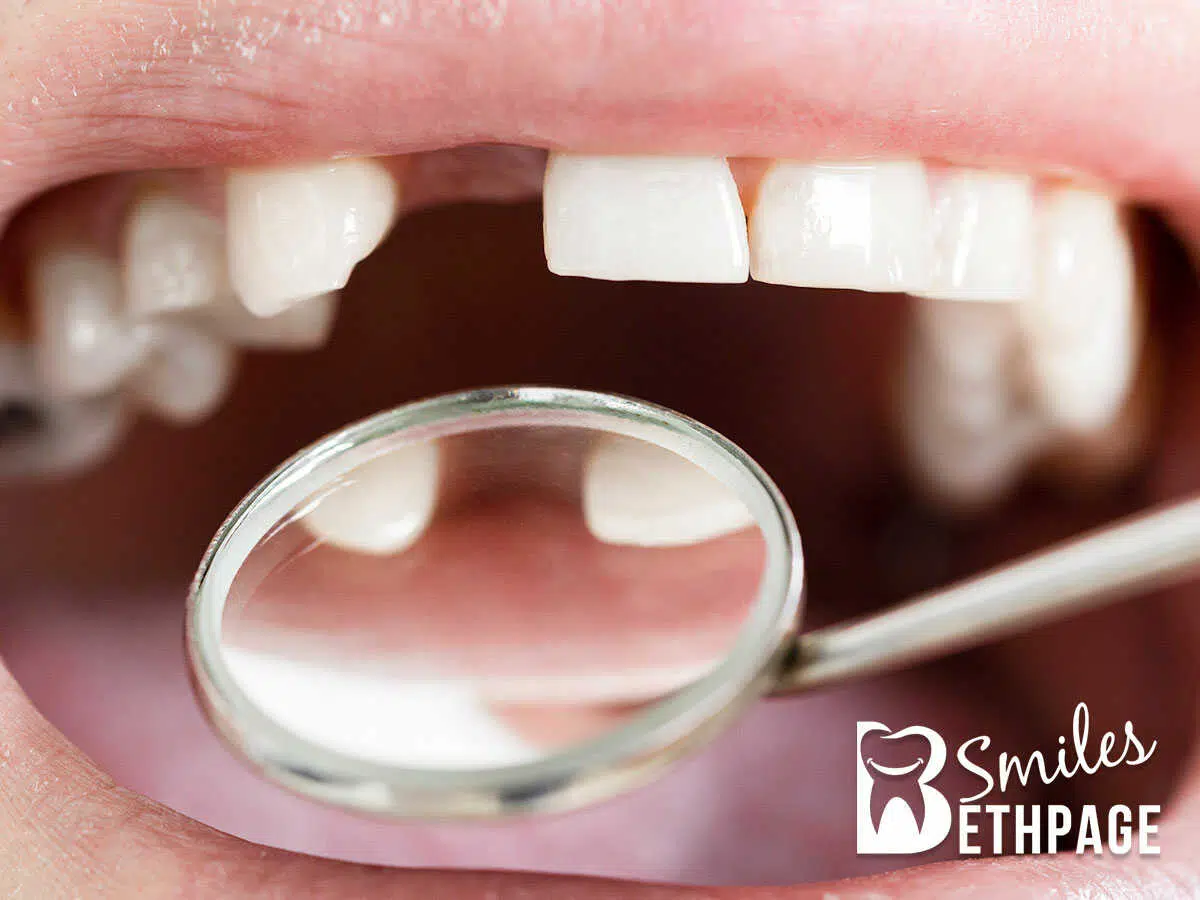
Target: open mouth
x=908 y=260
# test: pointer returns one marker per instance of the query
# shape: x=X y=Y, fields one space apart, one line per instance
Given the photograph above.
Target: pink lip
x=1100 y=87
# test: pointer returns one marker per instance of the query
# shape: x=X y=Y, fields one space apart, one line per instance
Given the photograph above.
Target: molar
x=173 y=255
x=298 y=231
x=52 y=435
x=864 y=226
x=83 y=346
x=644 y=218
x=186 y=375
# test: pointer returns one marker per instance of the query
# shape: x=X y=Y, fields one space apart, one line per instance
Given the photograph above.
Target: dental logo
x=899 y=810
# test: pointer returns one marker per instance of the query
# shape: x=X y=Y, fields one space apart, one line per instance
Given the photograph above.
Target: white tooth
x=972 y=468
x=969 y=340
x=645 y=218
x=384 y=505
x=866 y=226
x=83 y=348
x=1082 y=325
x=984 y=236
x=968 y=439
x=298 y=231
x=50 y=435
x=415 y=723
x=636 y=493
x=304 y=326
x=174 y=257
x=186 y=375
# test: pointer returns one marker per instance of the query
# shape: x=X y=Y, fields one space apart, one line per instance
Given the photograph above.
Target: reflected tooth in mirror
x=186 y=375
x=82 y=346
x=642 y=495
x=173 y=256
x=644 y=218
x=983 y=236
x=384 y=505
x=372 y=716
x=1082 y=325
x=40 y=435
x=298 y=231
x=866 y=226
x=499 y=629
x=306 y=325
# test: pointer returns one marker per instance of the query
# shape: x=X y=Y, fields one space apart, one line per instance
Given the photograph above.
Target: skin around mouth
x=99 y=90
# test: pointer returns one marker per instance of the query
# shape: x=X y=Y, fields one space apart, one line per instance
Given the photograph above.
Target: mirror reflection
x=492 y=597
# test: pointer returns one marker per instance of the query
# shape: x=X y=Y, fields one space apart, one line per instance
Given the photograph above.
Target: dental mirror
x=530 y=599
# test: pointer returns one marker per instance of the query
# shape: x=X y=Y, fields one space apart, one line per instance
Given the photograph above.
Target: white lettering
x=966 y=828
x=1060 y=825
x=1032 y=828
x=1120 y=832
x=1089 y=831
x=1147 y=830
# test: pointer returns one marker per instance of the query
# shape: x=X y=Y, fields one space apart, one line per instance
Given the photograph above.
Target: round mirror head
x=493 y=602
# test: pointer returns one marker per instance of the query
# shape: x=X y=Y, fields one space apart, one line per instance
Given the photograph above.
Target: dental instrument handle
x=1152 y=550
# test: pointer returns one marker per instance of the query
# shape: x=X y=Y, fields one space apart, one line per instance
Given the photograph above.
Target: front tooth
x=174 y=257
x=866 y=226
x=384 y=505
x=188 y=372
x=298 y=231
x=1082 y=325
x=644 y=218
x=83 y=348
x=983 y=235
x=304 y=326
x=639 y=494
x=40 y=435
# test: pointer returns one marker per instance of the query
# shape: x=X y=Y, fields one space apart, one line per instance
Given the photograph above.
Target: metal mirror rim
x=630 y=755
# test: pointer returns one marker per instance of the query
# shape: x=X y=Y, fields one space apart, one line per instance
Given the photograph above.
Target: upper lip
x=1099 y=87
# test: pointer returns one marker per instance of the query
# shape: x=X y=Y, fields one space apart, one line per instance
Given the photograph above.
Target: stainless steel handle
x=1158 y=548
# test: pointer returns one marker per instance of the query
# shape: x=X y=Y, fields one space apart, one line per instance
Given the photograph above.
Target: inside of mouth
x=97 y=568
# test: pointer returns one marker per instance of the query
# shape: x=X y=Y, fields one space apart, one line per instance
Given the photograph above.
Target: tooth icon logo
x=898 y=811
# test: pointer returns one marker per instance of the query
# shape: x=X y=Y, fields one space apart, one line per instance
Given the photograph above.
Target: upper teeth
x=648 y=218
x=1062 y=356
x=1059 y=361
x=989 y=391
x=983 y=236
x=298 y=231
x=864 y=226
x=85 y=347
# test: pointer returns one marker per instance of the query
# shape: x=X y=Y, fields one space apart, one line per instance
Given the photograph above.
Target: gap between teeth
x=194 y=282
